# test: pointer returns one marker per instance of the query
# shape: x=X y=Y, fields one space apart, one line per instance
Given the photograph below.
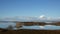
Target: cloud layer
x=27 y=18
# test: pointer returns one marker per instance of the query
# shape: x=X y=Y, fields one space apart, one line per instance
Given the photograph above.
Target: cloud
x=42 y=16
x=49 y=18
x=58 y=17
x=17 y=18
x=27 y=18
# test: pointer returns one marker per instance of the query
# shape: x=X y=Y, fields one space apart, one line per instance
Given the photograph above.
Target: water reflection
x=4 y=25
x=46 y=27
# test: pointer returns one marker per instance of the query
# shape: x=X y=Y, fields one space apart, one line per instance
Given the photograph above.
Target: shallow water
x=52 y=27
x=5 y=25
x=46 y=27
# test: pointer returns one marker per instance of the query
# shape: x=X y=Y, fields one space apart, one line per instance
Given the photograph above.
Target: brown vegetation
x=57 y=23
x=24 y=31
x=37 y=23
x=19 y=24
x=29 y=23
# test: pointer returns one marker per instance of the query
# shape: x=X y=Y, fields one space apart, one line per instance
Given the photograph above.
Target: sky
x=13 y=8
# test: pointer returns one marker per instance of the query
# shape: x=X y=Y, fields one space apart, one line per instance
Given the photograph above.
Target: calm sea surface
x=46 y=27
